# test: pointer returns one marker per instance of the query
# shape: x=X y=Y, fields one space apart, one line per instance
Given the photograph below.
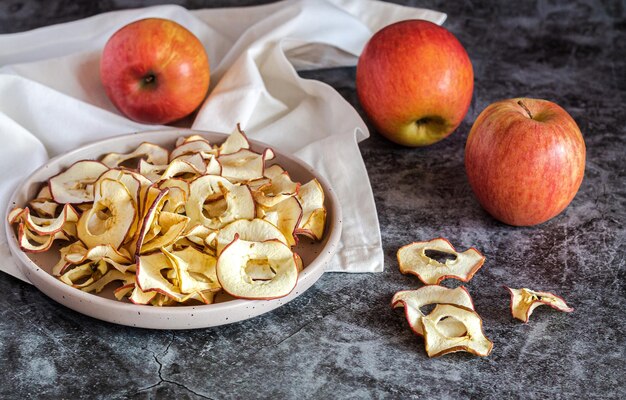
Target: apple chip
x=75 y=184
x=44 y=226
x=236 y=141
x=196 y=160
x=34 y=243
x=110 y=218
x=438 y=343
x=285 y=216
x=256 y=230
x=279 y=188
x=127 y=178
x=413 y=259
x=150 y=152
x=120 y=260
x=200 y=147
x=414 y=300
x=244 y=165
x=195 y=270
x=44 y=207
x=241 y=256
x=109 y=277
x=214 y=202
x=171 y=227
x=311 y=198
x=524 y=301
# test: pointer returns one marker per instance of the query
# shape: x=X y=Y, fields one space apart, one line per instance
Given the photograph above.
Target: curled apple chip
x=171 y=227
x=244 y=165
x=32 y=242
x=200 y=147
x=75 y=184
x=311 y=198
x=195 y=270
x=196 y=160
x=110 y=218
x=44 y=207
x=279 y=188
x=150 y=152
x=44 y=226
x=256 y=230
x=438 y=343
x=524 y=301
x=413 y=259
x=236 y=141
x=285 y=216
x=241 y=258
x=414 y=300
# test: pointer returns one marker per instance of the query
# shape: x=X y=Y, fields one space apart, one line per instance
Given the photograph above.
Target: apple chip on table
x=169 y=227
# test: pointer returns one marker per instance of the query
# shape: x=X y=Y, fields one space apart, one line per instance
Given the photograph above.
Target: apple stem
x=521 y=103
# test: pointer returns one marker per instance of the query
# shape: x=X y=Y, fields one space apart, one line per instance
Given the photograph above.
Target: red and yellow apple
x=525 y=160
x=155 y=71
x=415 y=82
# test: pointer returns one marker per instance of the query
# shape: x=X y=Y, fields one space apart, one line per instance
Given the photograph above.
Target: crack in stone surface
x=160 y=373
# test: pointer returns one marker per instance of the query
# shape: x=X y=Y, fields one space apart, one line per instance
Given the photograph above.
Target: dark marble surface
x=341 y=339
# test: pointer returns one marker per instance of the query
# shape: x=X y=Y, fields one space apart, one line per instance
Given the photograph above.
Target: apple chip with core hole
x=110 y=218
x=44 y=226
x=244 y=165
x=214 y=202
x=75 y=184
x=524 y=301
x=241 y=258
x=414 y=300
x=438 y=343
x=414 y=259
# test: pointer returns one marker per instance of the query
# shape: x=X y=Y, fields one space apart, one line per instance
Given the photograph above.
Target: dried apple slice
x=182 y=170
x=244 y=165
x=256 y=230
x=109 y=277
x=138 y=296
x=149 y=275
x=195 y=270
x=524 y=301
x=412 y=259
x=172 y=226
x=44 y=207
x=278 y=189
x=75 y=184
x=438 y=343
x=44 y=226
x=150 y=152
x=155 y=200
x=311 y=198
x=272 y=255
x=224 y=202
x=110 y=218
x=127 y=178
x=32 y=243
x=236 y=141
x=285 y=216
x=201 y=147
x=414 y=300
x=120 y=260
x=196 y=160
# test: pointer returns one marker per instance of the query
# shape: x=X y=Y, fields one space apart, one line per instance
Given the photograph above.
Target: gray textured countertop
x=341 y=339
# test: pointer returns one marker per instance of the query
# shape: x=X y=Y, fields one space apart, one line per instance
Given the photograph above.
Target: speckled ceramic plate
x=226 y=310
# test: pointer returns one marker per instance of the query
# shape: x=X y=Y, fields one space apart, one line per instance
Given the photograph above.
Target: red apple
x=415 y=82
x=155 y=71
x=525 y=160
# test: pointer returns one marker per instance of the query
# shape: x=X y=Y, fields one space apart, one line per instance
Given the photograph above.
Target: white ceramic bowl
x=226 y=310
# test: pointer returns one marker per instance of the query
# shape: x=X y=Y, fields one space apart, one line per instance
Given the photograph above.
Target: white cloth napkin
x=52 y=101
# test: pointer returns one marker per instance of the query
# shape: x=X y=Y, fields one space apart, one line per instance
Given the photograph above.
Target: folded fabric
x=52 y=99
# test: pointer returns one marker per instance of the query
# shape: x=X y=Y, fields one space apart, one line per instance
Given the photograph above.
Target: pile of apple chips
x=176 y=226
